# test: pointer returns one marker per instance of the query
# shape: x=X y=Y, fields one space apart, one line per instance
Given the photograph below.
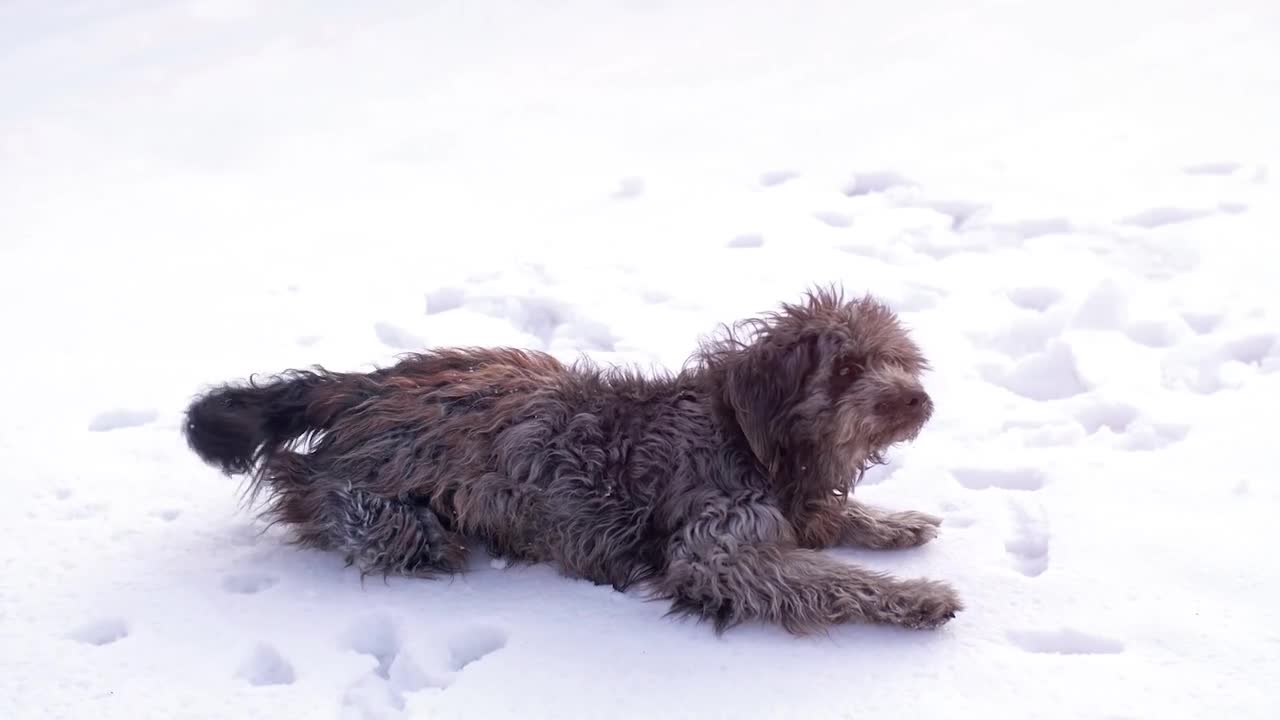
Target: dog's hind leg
x=391 y=536
x=734 y=565
x=376 y=533
x=870 y=527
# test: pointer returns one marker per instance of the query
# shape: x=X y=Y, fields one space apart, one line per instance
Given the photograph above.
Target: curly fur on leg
x=737 y=564
x=870 y=527
x=390 y=537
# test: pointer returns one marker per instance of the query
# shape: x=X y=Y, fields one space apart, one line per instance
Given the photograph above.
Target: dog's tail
x=231 y=426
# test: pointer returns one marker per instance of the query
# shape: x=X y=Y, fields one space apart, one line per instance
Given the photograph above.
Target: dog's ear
x=764 y=387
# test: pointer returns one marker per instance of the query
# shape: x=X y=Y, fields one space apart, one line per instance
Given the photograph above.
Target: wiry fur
x=716 y=487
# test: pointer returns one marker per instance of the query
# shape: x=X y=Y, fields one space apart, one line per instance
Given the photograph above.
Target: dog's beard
x=863 y=437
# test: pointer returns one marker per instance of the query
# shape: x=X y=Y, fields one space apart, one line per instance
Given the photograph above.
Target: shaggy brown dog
x=715 y=487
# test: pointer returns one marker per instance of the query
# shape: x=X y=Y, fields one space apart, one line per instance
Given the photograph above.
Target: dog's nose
x=913 y=398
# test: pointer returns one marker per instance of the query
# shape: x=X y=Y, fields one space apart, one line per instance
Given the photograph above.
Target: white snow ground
x=1072 y=203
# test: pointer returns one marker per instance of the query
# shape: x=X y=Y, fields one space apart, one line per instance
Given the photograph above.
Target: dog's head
x=823 y=387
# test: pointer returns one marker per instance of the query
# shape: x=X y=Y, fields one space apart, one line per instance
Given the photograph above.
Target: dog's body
x=715 y=487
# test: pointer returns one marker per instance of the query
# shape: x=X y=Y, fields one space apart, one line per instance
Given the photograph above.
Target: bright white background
x=1072 y=203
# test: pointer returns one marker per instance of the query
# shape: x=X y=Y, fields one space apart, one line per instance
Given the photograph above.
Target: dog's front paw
x=915 y=528
x=898 y=530
x=921 y=604
x=917 y=517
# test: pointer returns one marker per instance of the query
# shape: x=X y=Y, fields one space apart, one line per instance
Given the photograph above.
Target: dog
x=716 y=488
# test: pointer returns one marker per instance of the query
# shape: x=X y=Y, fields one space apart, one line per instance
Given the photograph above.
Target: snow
x=1071 y=203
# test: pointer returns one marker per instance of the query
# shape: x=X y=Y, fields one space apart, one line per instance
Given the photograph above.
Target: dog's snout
x=908 y=400
x=913 y=398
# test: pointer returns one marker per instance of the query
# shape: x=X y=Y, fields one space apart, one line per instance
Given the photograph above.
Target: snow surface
x=1073 y=204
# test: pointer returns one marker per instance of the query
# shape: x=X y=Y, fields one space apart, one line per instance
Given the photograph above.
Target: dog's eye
x=849 y=368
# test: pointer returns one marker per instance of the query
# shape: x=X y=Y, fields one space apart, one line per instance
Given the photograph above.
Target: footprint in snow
x=266 y=666
x=1116 y=417
x=102 y=631
x=629 y=187
x=1050 y=374
x=961 y=212
x=1143 y=436
x=1033 y=227
x=1253 y=349
x=957 y=516
x=87 y=510
x=397 y=338
x=748 y=240
x=1035 y=297
x=1028 y=546
x=474 y=644
x=121 y=418
x=1157 y=217
x=1064 y=641
x=986 y=478
x=376 y=636
x=876 y=181
x=249 y=583
x=915 y=299
x=1152 y=333
x=444 y=299
x=1212 y=168
x=834 y=219
x=395 y=671
x=1202 y=323
x=244 y=535
x=773 y=178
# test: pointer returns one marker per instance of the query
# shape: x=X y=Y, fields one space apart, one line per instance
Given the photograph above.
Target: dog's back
x=508 y=445
x=235 y=426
